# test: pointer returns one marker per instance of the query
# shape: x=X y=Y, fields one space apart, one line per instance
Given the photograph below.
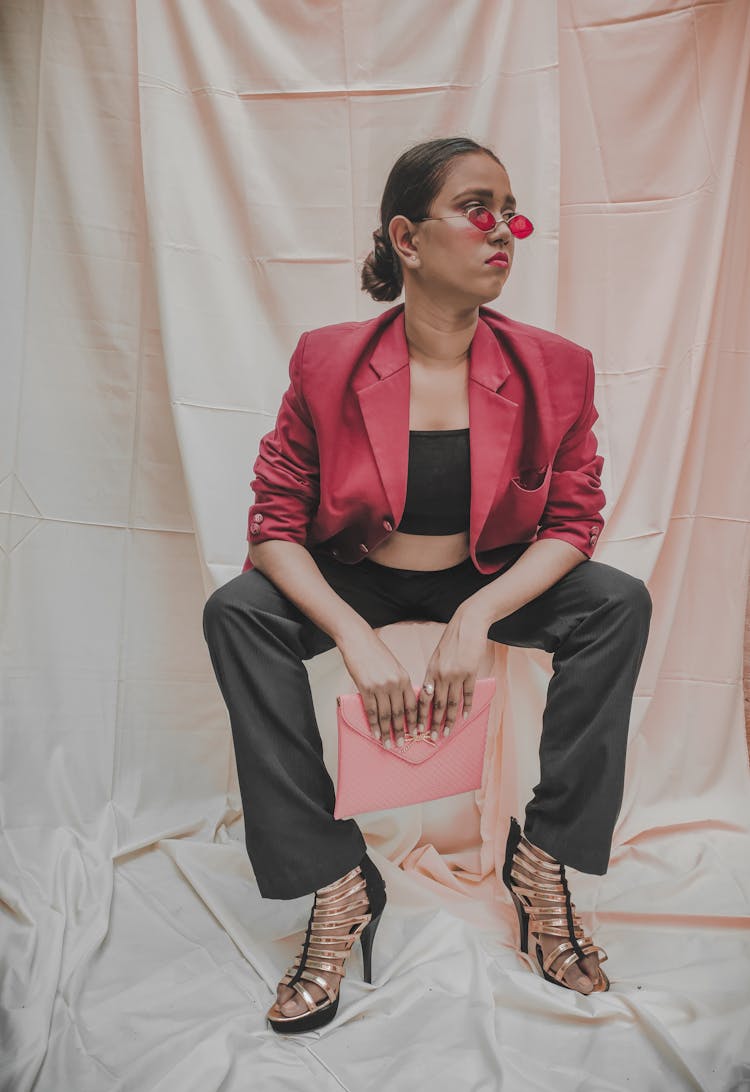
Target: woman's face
x=453 y=256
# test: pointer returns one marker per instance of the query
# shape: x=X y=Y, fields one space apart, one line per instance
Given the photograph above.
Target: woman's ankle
x=542 y=852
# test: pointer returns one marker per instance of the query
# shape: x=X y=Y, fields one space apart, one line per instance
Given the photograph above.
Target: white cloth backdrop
x=186 y=186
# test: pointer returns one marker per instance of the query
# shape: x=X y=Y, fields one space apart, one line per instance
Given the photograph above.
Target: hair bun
x=381 y=272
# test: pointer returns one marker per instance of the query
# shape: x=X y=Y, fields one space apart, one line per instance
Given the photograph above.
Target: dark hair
x=413 y=184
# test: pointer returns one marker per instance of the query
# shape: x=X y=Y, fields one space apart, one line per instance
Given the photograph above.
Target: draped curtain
x=187 y=185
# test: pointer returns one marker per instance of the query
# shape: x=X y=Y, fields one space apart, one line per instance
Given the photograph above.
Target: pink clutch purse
x=371 y=778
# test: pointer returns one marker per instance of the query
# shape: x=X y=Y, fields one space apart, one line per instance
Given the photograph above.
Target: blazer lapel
x=385 y=410
x=492 y=418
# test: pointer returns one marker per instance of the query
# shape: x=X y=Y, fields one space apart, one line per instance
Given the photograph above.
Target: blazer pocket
x=523 y=503
x=531 y=479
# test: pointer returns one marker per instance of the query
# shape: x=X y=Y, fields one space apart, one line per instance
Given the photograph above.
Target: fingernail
x=420 y=726
x=466 y=713
x=400 y=741
x=387 y=742
x=446 y=731
x=433 y=733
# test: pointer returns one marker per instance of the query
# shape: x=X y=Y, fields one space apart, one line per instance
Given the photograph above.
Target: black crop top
x=438 y=489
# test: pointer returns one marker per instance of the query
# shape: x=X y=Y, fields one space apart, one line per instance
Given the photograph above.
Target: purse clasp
x=409 y=739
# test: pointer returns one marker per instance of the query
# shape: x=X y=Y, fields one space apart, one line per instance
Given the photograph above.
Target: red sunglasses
x=482 y=218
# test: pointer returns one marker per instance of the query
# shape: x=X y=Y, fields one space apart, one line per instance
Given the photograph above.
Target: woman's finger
x=397 y=713
x=438 y=706
x=371 y=712
x=469 y=685
x=410 y=708
x=455 y=693
x=384 y=717
x=423 y=707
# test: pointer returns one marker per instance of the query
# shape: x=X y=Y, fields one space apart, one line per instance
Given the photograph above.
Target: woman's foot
x=343 y=912
x=288 y=999
x=539 y=886
x=581 y=975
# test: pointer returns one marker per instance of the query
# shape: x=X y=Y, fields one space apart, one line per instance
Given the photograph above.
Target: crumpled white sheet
x=187 y=189
x=179 y=959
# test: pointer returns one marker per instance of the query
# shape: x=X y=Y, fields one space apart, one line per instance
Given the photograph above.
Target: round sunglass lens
x=482 y=218
x=520 y=226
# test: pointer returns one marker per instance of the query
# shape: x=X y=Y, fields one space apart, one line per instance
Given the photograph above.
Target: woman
x=453 y=447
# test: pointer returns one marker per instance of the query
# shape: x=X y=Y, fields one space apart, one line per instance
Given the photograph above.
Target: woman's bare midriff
x=423 y=552
x=439 y=399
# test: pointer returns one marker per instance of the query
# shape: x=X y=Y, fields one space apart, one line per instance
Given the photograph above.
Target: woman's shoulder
x=355 y=329
x=545 y=339
x=327 y=356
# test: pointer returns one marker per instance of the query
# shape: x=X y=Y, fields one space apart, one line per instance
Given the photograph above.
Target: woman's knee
x=245 y=590
x=214 y=610
x=261 y=605
x=620 y=589
x=630 y=594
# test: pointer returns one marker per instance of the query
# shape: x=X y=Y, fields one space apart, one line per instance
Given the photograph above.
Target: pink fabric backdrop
x=189 y=185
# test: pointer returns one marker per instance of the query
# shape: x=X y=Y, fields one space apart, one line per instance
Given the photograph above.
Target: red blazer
x=333 y=470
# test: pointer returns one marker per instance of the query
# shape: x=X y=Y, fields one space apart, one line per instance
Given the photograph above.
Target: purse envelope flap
x=418 y=749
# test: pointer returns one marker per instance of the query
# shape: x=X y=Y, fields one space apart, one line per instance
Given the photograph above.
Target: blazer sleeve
x=287 y=472
x=573 y=509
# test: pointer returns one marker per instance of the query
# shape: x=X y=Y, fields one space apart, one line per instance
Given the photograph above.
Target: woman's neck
x=438 y=337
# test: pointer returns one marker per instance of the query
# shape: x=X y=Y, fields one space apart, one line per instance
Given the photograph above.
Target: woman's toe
x=580 y=982
x=590 y=966
x=575 y=977
x=288 y=1000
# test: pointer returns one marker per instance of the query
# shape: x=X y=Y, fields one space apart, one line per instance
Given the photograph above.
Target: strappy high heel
x=530 y=872
x=323 y=950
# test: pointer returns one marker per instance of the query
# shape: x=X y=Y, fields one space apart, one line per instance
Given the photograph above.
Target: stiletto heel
x=529 y=872
x=510 y=848
x=366 y=938
x=325 y=950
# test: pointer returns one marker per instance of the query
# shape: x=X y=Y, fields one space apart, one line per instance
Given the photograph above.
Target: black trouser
x=595 y=620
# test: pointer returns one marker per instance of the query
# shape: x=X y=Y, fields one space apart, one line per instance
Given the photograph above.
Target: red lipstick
x=501 y=259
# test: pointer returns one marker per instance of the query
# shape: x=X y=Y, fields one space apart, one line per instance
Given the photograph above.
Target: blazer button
x=335 y=553
x=388 y=525
x=363 y=548
x=255 y=529
x=258 y=517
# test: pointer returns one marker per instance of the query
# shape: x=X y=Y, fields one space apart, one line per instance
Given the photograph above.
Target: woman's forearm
x=292 y=569
x=538 y=568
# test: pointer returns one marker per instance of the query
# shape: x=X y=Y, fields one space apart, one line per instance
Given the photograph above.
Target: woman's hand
x=385 y=686
x=452 y=671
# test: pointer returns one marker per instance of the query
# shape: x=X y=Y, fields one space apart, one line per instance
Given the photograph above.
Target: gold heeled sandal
x=324 y=950
x=529 y=872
